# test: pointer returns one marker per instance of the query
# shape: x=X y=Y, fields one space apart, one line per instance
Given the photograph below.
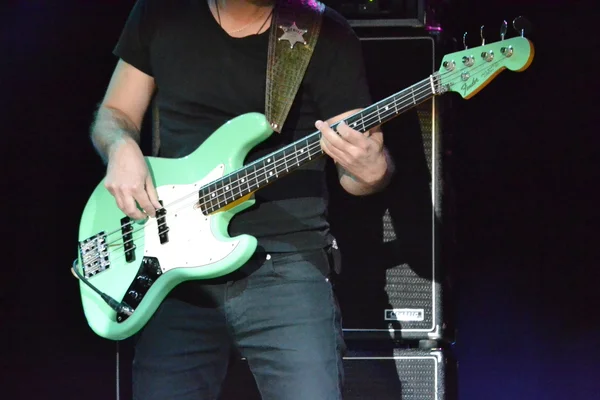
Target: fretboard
x=271 y=167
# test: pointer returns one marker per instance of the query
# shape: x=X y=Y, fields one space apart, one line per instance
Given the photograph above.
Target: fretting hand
x=362 y=156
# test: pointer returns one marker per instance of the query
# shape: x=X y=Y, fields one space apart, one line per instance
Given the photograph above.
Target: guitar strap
x=298 y=24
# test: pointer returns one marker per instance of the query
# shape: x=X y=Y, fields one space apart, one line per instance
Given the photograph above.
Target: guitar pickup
x=128 y=245
x=163 y=228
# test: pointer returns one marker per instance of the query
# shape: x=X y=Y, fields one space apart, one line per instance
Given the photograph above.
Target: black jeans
x=279 y=312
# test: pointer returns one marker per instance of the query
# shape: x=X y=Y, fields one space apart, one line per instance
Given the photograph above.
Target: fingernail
x=319 y=124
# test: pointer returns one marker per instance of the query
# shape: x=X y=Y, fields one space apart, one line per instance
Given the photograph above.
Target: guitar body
x=198 y=245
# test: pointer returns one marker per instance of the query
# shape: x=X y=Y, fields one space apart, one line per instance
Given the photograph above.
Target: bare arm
x=115 y=134
x=119 y=117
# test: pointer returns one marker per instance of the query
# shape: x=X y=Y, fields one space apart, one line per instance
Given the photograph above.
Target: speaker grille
x=404 y=374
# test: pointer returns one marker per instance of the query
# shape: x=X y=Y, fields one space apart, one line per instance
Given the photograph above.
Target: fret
x=213 y=195
x=302 y=150
x=296 y=154
x=238 y=183
x=272 y=167
x=218 y=195
x=316 y=150
x=246 y=181
x=275 y=168
x=352 y=122
x=264 y=168
x=308 y=149
x=362 y=120
x=287 y=169
x=202 y=197
x=256 y=177
x=228 y=190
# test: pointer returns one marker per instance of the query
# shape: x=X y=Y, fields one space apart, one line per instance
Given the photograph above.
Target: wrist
x=124 y=141
x=382 y=172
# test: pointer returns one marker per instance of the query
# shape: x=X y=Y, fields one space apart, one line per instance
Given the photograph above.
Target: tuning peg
x=465 y=41
x=522 y=26
x=503 y=29
x=481 y=35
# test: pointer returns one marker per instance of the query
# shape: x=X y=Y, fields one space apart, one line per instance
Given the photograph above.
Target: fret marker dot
x=226 y=187
x=270 y=173
x=268 y=160
x=243 y=179
x=213 y=195
x=386 y=107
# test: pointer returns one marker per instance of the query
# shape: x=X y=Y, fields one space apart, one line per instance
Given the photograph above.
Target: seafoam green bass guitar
x=126 y=268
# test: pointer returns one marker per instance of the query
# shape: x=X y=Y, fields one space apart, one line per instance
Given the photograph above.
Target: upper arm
x=130 y=92
x=336 y=76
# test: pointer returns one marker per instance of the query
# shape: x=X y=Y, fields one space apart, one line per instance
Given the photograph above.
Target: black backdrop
x=525 y=154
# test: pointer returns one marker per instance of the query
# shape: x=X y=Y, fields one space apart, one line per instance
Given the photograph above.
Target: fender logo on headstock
x=468 y=86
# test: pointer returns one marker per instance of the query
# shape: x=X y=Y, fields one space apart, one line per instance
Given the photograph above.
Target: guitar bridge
x=94 y=255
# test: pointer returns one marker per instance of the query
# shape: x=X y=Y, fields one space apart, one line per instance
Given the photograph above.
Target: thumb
x=152 y=193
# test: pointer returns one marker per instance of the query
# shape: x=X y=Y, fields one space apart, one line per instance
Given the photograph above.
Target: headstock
x=468 y=71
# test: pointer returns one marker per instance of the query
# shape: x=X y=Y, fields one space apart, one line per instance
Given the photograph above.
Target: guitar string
x=425 y=85
x=224 y=188
x=186 y=209
x=266 y=170
x=221 y=192
x=182 y=210
x=263 y=170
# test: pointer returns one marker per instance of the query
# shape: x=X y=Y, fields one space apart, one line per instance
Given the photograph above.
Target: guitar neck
x=273 y=166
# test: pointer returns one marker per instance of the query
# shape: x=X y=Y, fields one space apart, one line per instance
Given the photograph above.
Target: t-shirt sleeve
x=133 y=45
x=339 y=82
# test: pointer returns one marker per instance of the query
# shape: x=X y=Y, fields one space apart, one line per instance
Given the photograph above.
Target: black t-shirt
x=205 y=77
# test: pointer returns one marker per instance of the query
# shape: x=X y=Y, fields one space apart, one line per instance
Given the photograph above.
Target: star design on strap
x=292 y=34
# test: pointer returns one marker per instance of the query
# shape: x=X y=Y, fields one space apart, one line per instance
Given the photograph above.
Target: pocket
x=303 y=266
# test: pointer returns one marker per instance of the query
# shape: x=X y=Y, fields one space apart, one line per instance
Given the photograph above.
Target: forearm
x=377 y=181
x=110 y=129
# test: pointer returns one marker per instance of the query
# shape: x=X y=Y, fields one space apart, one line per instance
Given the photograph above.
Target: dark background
x=523 y=172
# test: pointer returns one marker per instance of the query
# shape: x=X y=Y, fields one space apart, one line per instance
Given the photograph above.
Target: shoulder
x=335 y=23
x=336 y=30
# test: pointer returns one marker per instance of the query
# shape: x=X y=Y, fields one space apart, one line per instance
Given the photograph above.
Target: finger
x=333 y=139
x=152 y=193
x=119 y=200
x=142 y=198
x=337 y=155
x=118 y=196
x=130 y=207
x=352 y=136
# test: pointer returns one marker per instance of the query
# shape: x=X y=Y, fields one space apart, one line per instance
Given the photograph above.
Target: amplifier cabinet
x=391 y=276
x=400 y=374
x=395 y=374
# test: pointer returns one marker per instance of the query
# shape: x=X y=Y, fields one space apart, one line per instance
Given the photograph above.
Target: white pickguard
x=191 y=241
